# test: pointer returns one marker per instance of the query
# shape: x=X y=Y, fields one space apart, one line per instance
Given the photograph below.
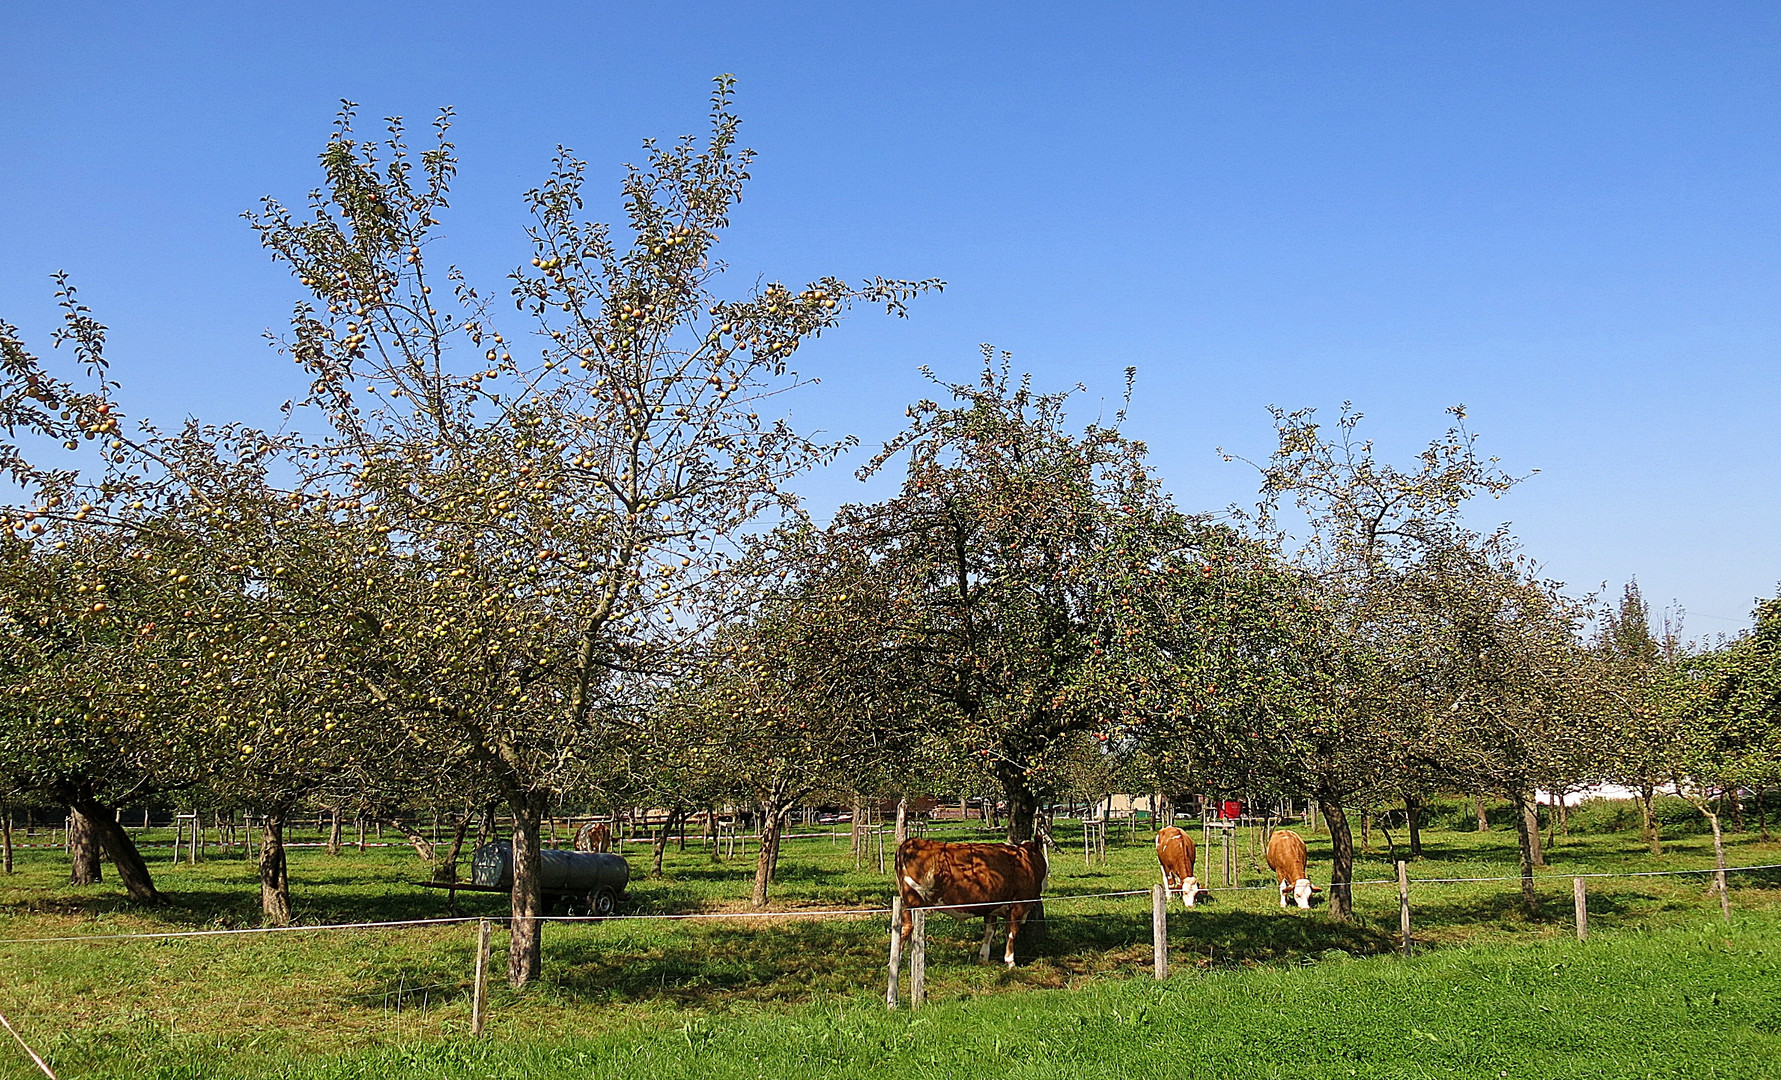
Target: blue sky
x=1563 y=216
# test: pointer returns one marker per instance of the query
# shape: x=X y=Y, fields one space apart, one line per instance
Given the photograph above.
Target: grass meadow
x=1663 y=987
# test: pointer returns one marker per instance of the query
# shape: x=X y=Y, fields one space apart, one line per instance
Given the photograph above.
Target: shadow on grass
x=708 y=964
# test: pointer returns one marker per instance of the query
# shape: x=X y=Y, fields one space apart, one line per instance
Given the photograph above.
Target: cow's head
x=1302 y=890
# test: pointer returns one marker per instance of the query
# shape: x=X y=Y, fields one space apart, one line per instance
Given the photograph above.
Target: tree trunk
x=1734 y=807
x=422 y=846
x=1530 y=810
x=1527 y=832
x=1725 y=901
x=446 y=869
x=711 y=833
x=1023 y=805
x=767 y=856
x=5 y=838
x=334 y=832
x=1342 y=860
x=661 y=844
x=902 y=832
x=1413 y=819
x=275 y=879
x=1366 y=831
x=83 y=850
x=1648 y=820
x=525 y=944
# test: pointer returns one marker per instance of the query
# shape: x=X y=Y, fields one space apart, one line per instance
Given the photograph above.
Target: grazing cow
x=594 y=836
x=1006 y=879
x=1286 y=854
x=1175 y=851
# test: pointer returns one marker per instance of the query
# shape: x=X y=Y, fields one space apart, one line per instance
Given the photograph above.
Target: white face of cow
x=1190 y=890
x=1301 y=892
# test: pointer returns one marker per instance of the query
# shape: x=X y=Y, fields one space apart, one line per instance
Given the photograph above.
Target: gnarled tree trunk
x=275 y=878
x=1483 y=818
x=1648 y=819
x=1725 y=900
x=446 y=869
x=125 y=858
x=767 y=857
x=1527 y=833
x=1413 y=819
x=525 y=947
x=661 y=842
x=84 y=867
x=1342 y=859
x=1530 y=811
x=1023 y=804
x=5 y=838
x=902 y=831
x=334 y=831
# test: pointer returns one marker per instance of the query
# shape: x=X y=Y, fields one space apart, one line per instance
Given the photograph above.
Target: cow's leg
x=1190 y=890
x=1285 y=887
x=1017 y=914
x=908 y=926
x=989 y=937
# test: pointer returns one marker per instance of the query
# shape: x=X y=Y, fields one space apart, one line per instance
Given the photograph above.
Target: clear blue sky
x=1564 y=216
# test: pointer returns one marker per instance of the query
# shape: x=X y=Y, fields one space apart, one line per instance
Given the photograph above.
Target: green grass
x=1662 y=988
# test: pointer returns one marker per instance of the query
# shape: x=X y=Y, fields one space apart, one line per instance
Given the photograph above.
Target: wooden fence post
x=1579 y=898
x=896 y=950
x=1230 y=860
x=918 y=959
x=1159 y=929
x=1404 y=904
x=480 y=988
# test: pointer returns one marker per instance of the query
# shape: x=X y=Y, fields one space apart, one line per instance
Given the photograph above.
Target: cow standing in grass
x=1175 y=853
x=966 y=880
x=1287 y=857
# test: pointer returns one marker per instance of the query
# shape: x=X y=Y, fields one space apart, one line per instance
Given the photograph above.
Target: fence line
x=821 y=912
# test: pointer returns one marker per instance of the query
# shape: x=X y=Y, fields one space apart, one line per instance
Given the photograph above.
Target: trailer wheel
x=601 y=902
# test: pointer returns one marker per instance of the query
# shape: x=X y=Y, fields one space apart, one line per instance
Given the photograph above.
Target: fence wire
x=826 y=913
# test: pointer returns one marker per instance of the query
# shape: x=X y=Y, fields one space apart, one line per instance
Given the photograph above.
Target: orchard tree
x=567 y=503
x=1728 y=734
x=1007 y=556
x=1511 y=691
x=1365 y=522
x=1638 y=675
x=800 y=695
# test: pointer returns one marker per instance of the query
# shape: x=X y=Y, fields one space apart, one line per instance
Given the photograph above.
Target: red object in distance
x=1232 y=809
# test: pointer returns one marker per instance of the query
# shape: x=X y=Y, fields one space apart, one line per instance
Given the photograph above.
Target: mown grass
x=1256 y=988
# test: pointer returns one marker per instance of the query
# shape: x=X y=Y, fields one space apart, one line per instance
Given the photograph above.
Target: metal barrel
x=572 y=872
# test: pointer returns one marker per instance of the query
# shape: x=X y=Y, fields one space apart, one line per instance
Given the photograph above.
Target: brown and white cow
x=594 y=836
x=1175 y=852
x=1287 y=856
x=1002 y=879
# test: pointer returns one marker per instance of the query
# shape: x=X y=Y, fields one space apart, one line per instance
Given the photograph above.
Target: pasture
x=1663 y=987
